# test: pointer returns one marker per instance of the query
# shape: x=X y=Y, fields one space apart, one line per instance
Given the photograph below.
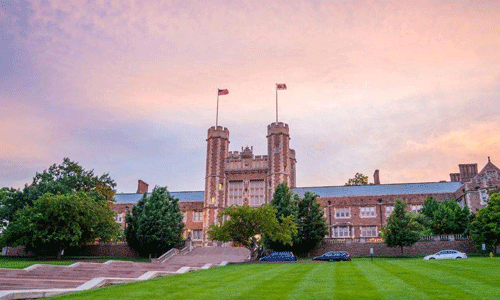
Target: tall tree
x=402 y=228
x=485 y=229
x=285 y=205
x=246 y=225
x=62 y=179
x=359 y=179
x=311 y=224
x=155 y=225
x=55 y=222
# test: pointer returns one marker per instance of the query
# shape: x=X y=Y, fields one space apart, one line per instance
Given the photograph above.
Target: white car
x=446 y=254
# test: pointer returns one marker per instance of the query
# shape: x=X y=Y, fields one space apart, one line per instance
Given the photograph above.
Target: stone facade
x=243 y=178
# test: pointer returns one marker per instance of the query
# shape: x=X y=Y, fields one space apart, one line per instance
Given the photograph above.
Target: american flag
x=280 y=86
x=223 y=92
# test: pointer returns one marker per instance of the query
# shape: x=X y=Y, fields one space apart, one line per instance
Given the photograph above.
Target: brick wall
x=363 y=249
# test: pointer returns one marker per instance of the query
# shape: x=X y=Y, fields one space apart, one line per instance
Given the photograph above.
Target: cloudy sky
x=129 y=87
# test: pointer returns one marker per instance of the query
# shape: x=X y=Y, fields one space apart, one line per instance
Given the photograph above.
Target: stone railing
x=449 y=237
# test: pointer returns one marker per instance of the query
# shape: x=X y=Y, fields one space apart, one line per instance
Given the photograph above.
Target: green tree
x=246 y=225
x=155 y=225
x=446 y=217
x=311 y=224
x=485 y=229
x=62 y=179
x=402 y=228
x=359 y=179
x=285 y=205
x=55 y=222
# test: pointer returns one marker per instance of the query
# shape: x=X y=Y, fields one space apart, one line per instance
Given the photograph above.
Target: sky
x=129 y=88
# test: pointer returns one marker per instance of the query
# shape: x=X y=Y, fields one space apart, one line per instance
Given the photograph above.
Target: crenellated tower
x=281 y=159
x=217 y=151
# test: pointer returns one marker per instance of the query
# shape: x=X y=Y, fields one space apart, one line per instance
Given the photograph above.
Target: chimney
x=376 y=178
x=455 y=177
x=142 y=187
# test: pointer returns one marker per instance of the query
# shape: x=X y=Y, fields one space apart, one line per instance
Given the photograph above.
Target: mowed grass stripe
x=390 y=286
x=224 y=285
x=287 y=276
x=317 y=284
x=464 y=282
x=352 y=284
x=486 y=271
x=433 y=288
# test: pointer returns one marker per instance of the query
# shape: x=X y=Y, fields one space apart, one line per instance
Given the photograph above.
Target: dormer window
x=491 y=174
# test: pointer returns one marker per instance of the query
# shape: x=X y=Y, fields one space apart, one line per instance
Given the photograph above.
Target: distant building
x=242 y=178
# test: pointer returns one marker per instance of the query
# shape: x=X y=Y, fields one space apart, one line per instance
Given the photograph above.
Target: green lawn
x=473 y=278
x=8 y=262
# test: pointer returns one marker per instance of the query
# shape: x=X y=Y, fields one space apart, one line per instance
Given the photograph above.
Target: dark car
x=279 y=256
x=334 y=255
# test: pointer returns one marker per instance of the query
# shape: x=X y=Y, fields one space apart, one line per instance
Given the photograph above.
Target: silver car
x=446 y=254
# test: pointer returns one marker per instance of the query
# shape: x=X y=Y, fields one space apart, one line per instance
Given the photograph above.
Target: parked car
x=279 y=256
x=334 y=256
x=446 y=254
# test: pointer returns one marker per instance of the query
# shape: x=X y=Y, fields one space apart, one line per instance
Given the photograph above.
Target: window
x=118 y=218
x=184 y=214
x=485 y=197
x=491 y=174
x=257 y=192
x=388 y=210
x=367 y=212
x=235 y=193
x=197 y=216
x=416 y=208
x=197 y=235
x=341 y=231
x=369 y=231
x=344 y=212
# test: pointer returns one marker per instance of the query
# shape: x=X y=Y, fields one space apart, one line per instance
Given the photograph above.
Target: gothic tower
x=217 y=151
x=281 y=159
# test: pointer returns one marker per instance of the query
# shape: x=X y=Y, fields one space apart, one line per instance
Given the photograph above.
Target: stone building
x=243 y=178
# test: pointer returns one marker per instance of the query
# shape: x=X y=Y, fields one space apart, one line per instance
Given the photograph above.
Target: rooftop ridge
x=356 y=186
x=128 y=193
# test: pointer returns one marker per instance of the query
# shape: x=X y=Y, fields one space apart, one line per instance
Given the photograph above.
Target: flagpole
x=276 y=104
x=217 y=113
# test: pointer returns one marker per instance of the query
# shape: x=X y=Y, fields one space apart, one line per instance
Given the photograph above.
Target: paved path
x=84 y=275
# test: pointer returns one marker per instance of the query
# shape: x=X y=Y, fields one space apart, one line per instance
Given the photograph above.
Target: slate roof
x=329 y=191
x=382 y=189
x=183 y=196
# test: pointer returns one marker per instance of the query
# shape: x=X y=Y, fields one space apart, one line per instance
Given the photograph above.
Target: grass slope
x=474 y=278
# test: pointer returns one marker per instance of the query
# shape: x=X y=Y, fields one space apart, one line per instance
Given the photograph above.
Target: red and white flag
x=223 y=92
x=280 y=86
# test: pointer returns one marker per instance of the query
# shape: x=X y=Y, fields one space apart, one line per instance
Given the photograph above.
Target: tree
x=286 y=206
x=155 y=225
x=246 y=225
x=62 y=179
x=446 y=217
x=311 y=224
x=402 y=228
x=55 y=222
x=485 y=229
x=359 y=179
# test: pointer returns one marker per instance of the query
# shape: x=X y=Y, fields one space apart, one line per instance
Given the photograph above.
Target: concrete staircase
x=48 y=280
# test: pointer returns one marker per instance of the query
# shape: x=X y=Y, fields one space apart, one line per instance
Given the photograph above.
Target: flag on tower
x=280 y=86
x=223 y=92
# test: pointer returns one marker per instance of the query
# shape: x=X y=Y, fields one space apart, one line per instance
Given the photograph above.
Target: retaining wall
x=363 y=249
